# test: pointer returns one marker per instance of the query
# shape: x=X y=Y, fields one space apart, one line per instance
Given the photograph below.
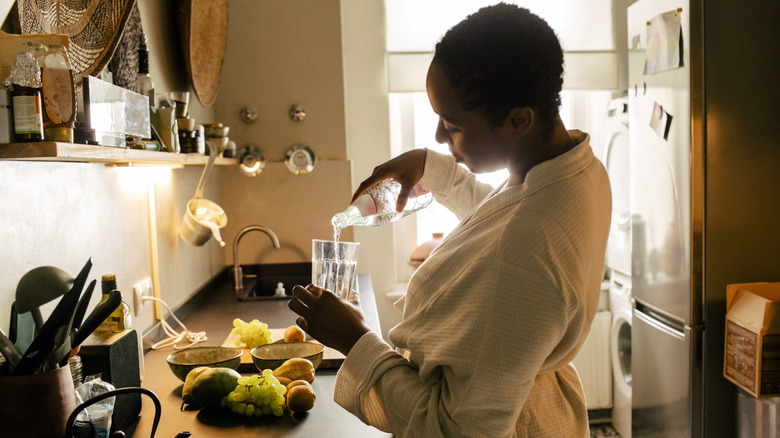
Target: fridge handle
x=659 y=325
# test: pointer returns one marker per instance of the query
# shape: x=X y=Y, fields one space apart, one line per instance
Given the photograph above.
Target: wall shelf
x=56 y=151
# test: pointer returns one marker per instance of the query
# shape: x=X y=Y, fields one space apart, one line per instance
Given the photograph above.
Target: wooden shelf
x=55 y=151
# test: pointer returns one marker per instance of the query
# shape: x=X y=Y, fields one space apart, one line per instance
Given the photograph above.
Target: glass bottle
x=24 y=81
x=76 y=370
x=121 y=318
x=143 y=82
x=376 y=206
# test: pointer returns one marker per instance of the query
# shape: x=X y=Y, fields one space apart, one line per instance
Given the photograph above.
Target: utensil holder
x=37 y=405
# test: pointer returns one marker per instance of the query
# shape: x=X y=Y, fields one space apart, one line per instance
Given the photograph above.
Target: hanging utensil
x=203 y=218
x=214 y=145
x=44 y=343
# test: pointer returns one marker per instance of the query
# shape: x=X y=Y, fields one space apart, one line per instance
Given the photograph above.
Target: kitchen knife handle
x=98 y=315
x=81 y=307
x=12 y=324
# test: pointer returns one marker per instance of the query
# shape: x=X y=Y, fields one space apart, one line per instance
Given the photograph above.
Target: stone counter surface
x=214 y=315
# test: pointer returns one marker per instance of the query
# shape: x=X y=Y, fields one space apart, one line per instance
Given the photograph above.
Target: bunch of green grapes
x=256 y=396
x=253 y=334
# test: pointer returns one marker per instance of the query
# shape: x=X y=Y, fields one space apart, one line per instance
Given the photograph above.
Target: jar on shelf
x=24 y=81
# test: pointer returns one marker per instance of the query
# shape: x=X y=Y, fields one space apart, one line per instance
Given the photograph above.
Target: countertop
x=214 y=315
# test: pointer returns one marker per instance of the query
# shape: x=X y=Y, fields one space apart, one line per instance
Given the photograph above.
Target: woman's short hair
x=503 y=57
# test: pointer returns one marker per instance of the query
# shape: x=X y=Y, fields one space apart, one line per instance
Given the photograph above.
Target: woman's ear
x=522 y=119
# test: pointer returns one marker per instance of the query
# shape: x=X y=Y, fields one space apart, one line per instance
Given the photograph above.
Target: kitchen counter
x=214 y=315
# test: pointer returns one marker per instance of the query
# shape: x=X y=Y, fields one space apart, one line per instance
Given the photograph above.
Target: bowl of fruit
x=271 y=356
x=183 y=361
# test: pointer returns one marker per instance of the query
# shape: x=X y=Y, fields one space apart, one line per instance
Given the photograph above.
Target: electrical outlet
x=140 y=290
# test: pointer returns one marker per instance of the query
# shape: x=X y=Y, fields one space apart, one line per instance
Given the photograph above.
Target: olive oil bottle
x=121 y=318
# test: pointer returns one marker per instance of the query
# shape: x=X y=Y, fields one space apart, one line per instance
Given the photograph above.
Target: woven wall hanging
x=94 y=28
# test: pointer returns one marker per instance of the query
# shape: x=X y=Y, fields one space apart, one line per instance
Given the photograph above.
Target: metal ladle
x=195 y=228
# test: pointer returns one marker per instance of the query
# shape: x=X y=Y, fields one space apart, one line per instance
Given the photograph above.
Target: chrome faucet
x=238 y=274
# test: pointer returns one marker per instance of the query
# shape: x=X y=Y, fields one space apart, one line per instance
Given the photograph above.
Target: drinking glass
x=333 y=266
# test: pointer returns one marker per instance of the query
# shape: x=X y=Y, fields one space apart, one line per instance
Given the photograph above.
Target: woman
x=493 y=318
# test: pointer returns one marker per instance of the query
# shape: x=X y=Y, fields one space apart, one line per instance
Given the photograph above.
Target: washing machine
x=618 y=261
x=620 y=351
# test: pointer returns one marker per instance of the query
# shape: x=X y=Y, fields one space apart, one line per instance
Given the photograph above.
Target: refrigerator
x=704 y=187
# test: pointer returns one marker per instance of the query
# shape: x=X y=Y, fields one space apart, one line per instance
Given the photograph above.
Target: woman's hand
x=327 y=318
x=407 y=169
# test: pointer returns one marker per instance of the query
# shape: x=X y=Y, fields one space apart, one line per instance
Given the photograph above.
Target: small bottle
x=376 y=206
x=143 y=82
x=121 y=318
x=24 y=82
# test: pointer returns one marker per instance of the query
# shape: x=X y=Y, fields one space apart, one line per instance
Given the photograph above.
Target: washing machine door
x=621 y=373
x=621 y=351
x=616 y=161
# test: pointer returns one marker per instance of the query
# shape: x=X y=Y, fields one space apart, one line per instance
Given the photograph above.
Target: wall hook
x=300 y=159
x=297 y=113
x=248 y=114
x=251 y=160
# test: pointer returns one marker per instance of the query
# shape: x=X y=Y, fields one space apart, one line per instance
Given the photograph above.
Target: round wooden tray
x=203 y=27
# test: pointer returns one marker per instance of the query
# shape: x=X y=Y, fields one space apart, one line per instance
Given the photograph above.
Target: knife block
x=116 y=359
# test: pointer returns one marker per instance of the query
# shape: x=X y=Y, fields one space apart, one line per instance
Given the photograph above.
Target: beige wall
x=368 y=137
x=61 y=214
x=279 y=53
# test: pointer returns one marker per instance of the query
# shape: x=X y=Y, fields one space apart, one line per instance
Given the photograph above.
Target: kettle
x=109 y=394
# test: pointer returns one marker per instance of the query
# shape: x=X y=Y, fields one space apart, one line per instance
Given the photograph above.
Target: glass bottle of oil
x=121 y=318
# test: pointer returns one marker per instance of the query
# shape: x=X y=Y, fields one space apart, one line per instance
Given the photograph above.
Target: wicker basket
x=124 y=63
x=94 y=27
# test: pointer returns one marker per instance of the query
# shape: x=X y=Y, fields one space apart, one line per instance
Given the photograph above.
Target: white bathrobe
x=494 y=317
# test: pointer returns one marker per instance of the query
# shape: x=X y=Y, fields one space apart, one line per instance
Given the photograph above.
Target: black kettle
x=109 y=394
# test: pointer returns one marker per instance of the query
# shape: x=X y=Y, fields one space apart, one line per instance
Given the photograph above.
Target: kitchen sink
x=260 y=281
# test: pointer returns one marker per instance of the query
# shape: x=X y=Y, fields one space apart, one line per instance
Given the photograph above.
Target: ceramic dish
x=183 y=361
x=271 y=356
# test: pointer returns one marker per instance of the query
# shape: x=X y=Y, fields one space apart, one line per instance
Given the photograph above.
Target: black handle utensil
x=81 y=308
x=44 y=343
x=12 y=324
x=64 y=338
x=97 y=316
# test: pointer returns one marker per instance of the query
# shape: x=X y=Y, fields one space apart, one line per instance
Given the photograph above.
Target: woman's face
x=473 y=141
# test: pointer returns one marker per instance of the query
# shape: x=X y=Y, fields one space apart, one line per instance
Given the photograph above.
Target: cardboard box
x=752 y=353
